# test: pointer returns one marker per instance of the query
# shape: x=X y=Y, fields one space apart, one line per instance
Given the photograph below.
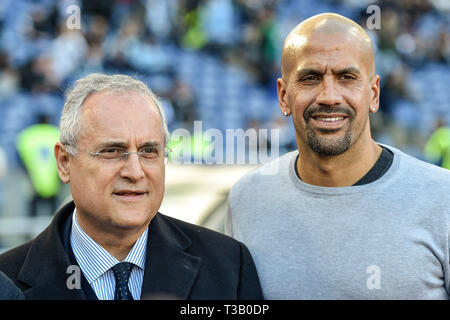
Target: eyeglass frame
x=121 y=157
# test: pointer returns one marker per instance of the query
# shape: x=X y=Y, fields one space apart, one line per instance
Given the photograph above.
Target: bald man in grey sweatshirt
x=342 y=217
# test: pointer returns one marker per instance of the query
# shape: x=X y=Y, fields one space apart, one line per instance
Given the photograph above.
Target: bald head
x=323 y=30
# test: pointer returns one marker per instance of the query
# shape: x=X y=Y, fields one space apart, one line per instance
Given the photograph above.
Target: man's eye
x=347 y=77
x=149 y=151
x=310 y=78
x=111 y=152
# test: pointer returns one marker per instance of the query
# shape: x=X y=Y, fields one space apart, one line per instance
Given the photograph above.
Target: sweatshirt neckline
x=387 y=178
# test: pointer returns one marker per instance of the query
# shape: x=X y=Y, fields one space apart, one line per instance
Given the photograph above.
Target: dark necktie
x=122 y=273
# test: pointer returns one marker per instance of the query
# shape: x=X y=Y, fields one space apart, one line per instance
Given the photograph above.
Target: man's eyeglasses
x=147 y=154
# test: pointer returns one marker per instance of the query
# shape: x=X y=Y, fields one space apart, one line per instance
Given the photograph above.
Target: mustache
x=310 y=111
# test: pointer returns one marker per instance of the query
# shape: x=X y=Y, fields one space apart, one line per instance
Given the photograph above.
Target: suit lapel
x=169 y=272
x=45 y=266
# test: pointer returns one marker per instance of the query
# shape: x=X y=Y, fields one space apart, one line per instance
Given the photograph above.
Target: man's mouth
x=130 y=193
x=328 y=121
x=328 y=116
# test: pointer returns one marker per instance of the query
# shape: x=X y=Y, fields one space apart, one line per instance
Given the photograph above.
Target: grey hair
x=70 y=123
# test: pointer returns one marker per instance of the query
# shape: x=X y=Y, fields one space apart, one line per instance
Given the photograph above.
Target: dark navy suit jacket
x=183 y=261
x=8 y=291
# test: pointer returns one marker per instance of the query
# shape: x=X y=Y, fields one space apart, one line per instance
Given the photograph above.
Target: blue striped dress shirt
x=96 y=263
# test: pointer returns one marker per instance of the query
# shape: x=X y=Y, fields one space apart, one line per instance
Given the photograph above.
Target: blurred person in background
x=343 y=217
x=112 y=151
x=257 y=49
x=3 y=170
x=67 y=52
x=3 y=164
x=218 y=20
x=8 y=291
x=37 y=77
x=437 y=148
x=183 y=102
x=9 y=77
x=35 y=146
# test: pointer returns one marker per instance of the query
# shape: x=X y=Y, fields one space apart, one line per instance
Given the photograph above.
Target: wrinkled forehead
x=120 y=115
x=330 y=41
x=124 y=103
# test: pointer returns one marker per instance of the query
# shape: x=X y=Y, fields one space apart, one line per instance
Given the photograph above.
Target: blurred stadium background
x=211 y=60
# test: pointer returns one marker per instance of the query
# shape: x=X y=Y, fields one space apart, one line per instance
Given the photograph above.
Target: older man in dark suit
x=111 y=242
x=8 y=291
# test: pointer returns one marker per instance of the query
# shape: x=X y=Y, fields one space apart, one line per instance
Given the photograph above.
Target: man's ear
x=282 y=97
x=62 y=162
x=375 y=94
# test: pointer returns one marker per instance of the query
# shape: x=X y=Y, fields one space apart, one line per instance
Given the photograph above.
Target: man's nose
x=132 y=168
x=329 y=93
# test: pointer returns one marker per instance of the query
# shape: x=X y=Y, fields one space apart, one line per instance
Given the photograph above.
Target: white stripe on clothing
x=96 y=263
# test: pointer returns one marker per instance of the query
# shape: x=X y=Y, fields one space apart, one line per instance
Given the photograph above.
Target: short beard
x=329 y=146
x=326 y=146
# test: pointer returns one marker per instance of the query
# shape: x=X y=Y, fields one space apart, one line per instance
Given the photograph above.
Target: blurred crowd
x=414 y=38
x=40 y=55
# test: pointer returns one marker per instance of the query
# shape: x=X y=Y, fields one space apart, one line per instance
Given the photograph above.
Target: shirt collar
x=94 y=260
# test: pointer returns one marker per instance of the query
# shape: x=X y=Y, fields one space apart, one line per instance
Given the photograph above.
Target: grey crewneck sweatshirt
x=388 y=239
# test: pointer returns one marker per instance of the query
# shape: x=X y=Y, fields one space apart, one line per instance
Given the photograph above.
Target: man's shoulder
x=201 y=236
x=8 y=290
x=225 y=264
x=12 y=260
x=44 y=247
x=421 y=169
x=422 y=177
x=268 y=173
